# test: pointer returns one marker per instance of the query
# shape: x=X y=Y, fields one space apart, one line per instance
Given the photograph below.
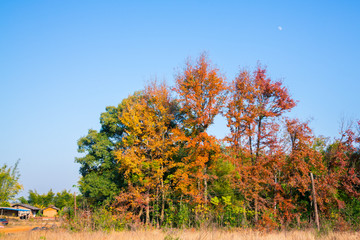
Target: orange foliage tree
x=201 y=93
x=147 y=147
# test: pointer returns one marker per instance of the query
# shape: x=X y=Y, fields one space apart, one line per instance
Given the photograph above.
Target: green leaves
x=215 y=201
x=60 y=200
x=9 y=185
x=101 y=178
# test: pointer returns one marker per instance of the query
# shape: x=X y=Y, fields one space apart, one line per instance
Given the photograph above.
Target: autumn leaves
x=167 y=157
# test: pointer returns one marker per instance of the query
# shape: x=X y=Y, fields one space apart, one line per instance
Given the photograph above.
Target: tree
x=256 y=103
x=147 y=149
x=153 y=160
x=101 y=179
x=41 y=200
x=61 y=199
x=9 y=185
x=201 y=94
x=339 y=185
x=23 y=200
x=303 y=158
x=64 y=199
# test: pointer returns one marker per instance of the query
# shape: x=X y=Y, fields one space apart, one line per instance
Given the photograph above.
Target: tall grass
x=181 y=235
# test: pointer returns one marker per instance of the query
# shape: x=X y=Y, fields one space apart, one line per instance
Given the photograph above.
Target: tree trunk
x=75 y=204
x=205 y=187
x=140 y=213
x=275 y=192
x=256 y=210
x=258 y=139
x=162 y=201
x=147 y=208
x=244 y=215
x=162 y=210
x=315 y=205
x=162 y=186
x=251 y=151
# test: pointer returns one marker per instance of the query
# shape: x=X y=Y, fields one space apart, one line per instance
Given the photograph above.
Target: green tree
x=98 y=171
x=61 y=199
x=9 y=185
x=23 y=200
x=101 y=179
x=64 y=199
x=41 y=200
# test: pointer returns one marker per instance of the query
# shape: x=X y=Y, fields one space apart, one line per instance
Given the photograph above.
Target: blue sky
x=63 y=62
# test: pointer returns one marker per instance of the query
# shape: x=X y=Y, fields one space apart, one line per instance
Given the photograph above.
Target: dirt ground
x=15 y=229
x=26 y=225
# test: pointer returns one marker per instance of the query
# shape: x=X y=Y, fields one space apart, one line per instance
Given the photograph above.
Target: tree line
x=62 y=200
x=154 y=162
x=10 y=187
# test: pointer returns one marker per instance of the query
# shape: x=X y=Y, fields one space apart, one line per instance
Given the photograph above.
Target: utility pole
x=315 y=205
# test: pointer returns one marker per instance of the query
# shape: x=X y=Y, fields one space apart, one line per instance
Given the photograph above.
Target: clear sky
x=62 y=62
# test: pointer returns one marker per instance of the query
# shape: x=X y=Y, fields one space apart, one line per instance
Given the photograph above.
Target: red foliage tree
x=256 y=103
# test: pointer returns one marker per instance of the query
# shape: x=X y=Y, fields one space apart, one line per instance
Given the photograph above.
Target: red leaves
x=254 y=105
x=253 y=110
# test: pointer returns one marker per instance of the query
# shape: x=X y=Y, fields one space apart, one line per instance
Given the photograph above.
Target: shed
x=50 y=211
x=14 y=212
x=33 y=210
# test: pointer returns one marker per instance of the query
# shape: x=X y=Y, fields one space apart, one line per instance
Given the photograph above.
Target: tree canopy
x=153 y=160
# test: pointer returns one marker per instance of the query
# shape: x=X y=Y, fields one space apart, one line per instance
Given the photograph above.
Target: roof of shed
x=52 y=206
x=25 y=206
x=15 y=209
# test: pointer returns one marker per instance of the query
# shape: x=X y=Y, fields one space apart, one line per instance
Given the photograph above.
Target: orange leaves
x=149 y=120
x=201 y=92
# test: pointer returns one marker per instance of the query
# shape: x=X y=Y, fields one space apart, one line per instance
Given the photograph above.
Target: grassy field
x=179 y=234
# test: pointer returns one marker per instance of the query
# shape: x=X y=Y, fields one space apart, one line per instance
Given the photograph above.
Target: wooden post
x=315 y=205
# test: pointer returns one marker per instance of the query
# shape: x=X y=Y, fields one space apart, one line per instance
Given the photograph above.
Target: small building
x=15 y=212
x=33 y=210
x=50 y=211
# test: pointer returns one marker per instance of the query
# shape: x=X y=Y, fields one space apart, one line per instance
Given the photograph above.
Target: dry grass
x=180 y=234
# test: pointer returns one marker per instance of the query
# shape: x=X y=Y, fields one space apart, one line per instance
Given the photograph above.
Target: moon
x=280 y=28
